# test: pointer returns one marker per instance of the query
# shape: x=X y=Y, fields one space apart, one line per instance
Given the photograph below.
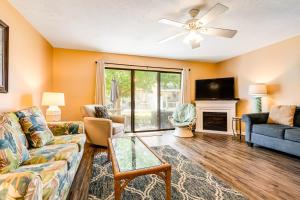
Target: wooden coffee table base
x=121 y=179
x=119 y=185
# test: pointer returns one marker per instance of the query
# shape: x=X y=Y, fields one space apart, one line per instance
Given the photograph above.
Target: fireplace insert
x=216 y=121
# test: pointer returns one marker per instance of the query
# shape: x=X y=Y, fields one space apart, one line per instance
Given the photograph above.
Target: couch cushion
x=66 y=128
x=297 y=117
x=117 y=128
x=53 y=174
x=34 y=126
x=67 y=152
x=78 y=139
x=271 y=130
x=21 y=185
x=292 y=134
x=14 y=121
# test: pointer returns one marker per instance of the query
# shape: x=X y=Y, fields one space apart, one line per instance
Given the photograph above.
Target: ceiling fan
x=195 y=27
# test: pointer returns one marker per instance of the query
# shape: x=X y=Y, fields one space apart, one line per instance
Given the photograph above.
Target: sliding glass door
x=121 y=105
x=146 y=98
x=170 y=84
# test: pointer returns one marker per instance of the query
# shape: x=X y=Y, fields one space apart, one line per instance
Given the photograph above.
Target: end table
x=237 y=121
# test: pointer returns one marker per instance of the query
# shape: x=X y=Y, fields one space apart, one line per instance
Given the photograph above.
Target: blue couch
x=275 y=136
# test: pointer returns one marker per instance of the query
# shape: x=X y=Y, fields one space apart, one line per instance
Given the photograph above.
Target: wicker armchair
x=184 y=118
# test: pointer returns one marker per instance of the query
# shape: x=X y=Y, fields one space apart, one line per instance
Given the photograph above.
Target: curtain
x=185 y=86
x=100 y=83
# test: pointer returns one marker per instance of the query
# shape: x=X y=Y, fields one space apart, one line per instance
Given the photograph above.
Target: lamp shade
x=257 y=90
x=53 y=99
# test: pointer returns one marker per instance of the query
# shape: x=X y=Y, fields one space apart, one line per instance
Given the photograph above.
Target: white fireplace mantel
x=228 y=106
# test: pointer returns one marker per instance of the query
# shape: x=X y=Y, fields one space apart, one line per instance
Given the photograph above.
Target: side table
x=237 y=121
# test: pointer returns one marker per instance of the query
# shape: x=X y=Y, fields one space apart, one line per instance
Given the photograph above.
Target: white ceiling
x=130 y=26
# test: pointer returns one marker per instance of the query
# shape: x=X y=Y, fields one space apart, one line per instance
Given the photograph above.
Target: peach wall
x=30 y=62
x=34 y=67
x=277 y=65
x=74 y=74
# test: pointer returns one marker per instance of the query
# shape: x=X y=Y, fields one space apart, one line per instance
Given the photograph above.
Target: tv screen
x=221 y=88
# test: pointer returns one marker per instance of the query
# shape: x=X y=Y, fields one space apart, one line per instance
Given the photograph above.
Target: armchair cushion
x=118 y=119
x=34 y=126
x=21 y=185
x=66 y=128
x=53 y=175
x=184 y=113
x=118 y=128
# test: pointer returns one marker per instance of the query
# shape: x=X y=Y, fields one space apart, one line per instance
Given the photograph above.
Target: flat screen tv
x=215 y=89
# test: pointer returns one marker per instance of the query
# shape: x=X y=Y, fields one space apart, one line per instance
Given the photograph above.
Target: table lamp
x=53 y=100
x=258 y=91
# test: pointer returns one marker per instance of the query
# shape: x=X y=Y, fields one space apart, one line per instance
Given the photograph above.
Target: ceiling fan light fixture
x=194 y=26
x=192 y=37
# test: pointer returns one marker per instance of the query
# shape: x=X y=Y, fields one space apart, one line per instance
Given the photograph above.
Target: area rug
x=189 y=181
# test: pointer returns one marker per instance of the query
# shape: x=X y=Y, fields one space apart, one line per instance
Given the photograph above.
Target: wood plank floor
x=257 y=172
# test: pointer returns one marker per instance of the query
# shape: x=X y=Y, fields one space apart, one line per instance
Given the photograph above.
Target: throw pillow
x=8 y=159
x=35 y=126
x=12 y=150
x=282 y=115
x=14 y=121
x=101 y=112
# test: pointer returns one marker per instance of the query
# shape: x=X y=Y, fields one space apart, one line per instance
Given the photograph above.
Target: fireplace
x=215 y=116
x=215 y=121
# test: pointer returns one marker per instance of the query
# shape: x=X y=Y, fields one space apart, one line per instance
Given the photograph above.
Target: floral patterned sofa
x=45 y=171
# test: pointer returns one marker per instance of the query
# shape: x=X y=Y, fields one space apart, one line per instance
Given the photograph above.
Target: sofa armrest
x=66 y=128
x=98 y=130
x=21 y=185
x=253 y=118
x=118 y=119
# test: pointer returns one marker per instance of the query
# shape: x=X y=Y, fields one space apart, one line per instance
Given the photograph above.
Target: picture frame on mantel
x=4 y=42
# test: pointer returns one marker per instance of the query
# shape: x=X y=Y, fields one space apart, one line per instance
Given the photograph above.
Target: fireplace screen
x=216 y=121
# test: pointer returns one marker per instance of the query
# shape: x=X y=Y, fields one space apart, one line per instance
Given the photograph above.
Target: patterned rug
x=189 y=181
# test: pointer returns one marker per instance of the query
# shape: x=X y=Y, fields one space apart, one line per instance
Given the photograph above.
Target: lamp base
x=53 y=114
x=258 y=105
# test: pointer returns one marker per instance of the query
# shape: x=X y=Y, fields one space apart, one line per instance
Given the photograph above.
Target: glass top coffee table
x=131 y=158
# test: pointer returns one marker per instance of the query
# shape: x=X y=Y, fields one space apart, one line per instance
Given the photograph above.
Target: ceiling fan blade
x=172 y=37
x=171 y=22
x=218 y=32
x=213 y=13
